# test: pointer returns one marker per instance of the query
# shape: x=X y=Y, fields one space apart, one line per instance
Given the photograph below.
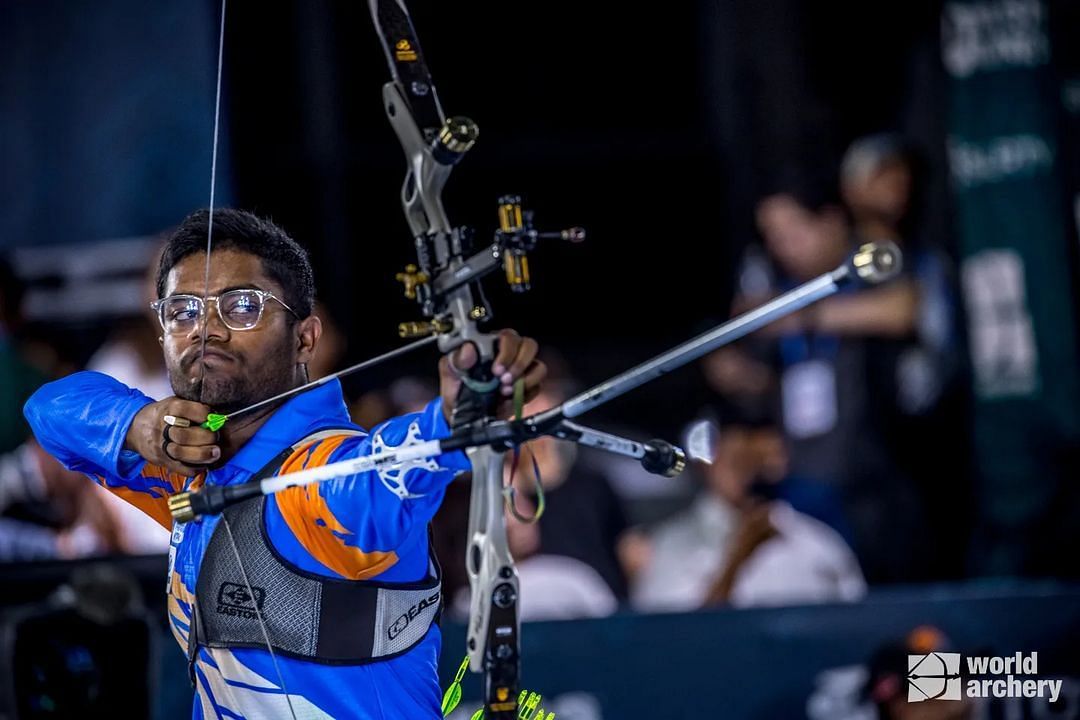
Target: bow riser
x=432 y=147
x=493 y=626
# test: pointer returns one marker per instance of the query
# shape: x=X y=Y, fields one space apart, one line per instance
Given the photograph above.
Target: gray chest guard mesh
x=307 y=616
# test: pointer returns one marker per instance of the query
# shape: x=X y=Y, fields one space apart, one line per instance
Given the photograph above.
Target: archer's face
x=237 y=368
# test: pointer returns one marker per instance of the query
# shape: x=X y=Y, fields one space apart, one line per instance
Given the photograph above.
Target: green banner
x=1011 y=217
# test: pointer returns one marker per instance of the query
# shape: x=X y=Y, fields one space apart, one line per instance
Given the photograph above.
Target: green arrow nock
x=214 y=422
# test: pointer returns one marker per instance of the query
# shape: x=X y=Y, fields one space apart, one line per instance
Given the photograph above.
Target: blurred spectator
x=132 y=351
x=405 y=395
x=834 y=368
x=806 y=233
x=742 y=542
x=569 y=561
x=887 y=684
x=450 y=537
x=583 y=518
x=49 y=512
x=20 y=377
x=882 y=180
x=880 y=184
x=877 y=182
x=132 y=355
x=553 y=587
x=371 y=408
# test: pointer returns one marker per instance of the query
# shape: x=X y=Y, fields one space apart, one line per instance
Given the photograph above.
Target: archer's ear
x=308 y=332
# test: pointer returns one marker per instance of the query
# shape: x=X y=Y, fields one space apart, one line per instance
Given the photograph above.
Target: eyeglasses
x=238 y=309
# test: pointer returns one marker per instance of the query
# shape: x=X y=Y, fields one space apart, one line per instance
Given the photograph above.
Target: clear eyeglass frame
x=160 y=307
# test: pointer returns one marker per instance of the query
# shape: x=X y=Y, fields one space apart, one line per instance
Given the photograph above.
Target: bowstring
x=205 y=331
x=213 y=192
x=258 y=613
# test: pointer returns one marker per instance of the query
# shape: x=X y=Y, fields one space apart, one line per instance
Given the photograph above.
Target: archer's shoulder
x=324 y=446
x=77 y=391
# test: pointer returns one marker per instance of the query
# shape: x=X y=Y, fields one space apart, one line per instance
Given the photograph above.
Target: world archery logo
x=934 y=676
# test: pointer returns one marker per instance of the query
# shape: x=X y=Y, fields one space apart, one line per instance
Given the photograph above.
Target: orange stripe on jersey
x=175 y=480
x=313 y=524
x=154 y=501
x=319 y=456
x=156 y=507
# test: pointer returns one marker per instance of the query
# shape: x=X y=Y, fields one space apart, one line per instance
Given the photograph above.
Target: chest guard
x=307 y=616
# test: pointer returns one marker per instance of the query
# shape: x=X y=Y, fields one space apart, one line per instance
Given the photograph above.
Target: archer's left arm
x=353 y=525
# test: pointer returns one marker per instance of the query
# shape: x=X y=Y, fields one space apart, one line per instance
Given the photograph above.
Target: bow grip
x=478 y=396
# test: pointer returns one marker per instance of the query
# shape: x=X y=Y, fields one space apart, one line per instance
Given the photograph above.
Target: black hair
x=283 y=259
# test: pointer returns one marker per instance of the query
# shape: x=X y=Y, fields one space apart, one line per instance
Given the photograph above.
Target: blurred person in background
x=131 y=354
x=878 y=176
x=833 y=365
x=48 y=512
x=570 y=560
x=88 y=650
x=882 y=181
x=806 y=232
x=552 y=587
x=583 y=517
x=20 y=377
x=887 y=681
x=742 y=542
x=404 y=395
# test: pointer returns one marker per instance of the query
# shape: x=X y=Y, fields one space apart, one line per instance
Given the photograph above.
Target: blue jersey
x=355 y=527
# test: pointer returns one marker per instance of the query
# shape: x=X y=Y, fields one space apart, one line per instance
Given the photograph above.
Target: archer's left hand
x=515 y=358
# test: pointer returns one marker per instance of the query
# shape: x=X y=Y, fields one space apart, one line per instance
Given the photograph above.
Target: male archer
x=318 y=601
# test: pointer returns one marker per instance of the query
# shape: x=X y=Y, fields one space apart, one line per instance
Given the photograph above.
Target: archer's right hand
x=158 y=434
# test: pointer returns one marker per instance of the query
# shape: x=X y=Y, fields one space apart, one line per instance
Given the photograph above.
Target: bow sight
x=432 y=282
